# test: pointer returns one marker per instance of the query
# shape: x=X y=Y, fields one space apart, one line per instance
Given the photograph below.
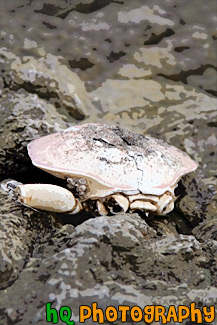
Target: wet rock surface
x=173 y=39
x=151 y=68
x=24 y=117
x=20 y=233
x=71 y=268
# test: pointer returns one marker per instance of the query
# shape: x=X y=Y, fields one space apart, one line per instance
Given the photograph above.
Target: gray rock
x=21 y=230
x=97 y=38
x=151 y=68
x=24 y=117
x=62 y=87
x=111 y=261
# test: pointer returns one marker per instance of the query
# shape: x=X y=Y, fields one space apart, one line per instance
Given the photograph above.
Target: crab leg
x=78 y=207
x=165 y=203
x=117 y=203
x=48 y=197
x=101 y=208
x=168 y=208
x=142 y=205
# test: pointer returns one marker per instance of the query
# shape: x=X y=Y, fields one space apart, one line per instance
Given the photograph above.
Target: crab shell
x=112 y=160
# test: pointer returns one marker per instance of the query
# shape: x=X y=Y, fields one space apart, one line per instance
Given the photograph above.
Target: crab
x=107 y=170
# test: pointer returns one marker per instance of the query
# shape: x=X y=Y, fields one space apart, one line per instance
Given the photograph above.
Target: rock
x=48 y=78
x=21 y=231
x=149 y=67
x=71 y=268
x=98 y=38
x=24 y=117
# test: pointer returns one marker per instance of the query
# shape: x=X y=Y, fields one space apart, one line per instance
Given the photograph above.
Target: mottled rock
x=97 y=38
x=48 y=78
x=150 y=67
x=21 y=230
x=24 y=117
x=139 y=268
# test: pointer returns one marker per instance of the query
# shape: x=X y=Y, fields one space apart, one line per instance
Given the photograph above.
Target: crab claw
x=46 y=197
x=78 y=207
x=117 y=203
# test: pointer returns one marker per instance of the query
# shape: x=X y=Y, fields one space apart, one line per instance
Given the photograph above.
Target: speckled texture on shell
x=117 y=159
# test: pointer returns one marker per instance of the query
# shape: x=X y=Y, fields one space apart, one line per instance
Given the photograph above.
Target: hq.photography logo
x=123 y=313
